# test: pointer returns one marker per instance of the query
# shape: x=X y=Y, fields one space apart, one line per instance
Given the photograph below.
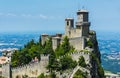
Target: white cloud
x=27 y=15
x=36 y=16
x=11 y=14
x=41 y=16
x=23 y=15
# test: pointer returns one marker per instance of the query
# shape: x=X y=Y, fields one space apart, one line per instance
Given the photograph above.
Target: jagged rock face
x=92 y=59
x=96 y=69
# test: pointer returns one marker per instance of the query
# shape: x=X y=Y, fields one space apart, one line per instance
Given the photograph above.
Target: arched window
x=67 y=23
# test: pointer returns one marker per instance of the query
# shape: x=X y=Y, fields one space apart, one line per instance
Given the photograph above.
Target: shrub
x=81 y=61
x=80 y=74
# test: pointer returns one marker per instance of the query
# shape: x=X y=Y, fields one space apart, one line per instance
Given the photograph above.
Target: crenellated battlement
x=44 y=57
x=76 y=55
x=33 y=69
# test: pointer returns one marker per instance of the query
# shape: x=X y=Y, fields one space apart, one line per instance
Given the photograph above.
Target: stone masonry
x=77 y=35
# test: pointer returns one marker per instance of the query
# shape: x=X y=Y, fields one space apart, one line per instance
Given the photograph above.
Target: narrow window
x=67 y=23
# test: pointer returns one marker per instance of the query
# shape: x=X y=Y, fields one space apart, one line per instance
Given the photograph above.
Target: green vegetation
x=63 y=64
x=31 y=51
x=1 y=77
x=67 y=63
x=41 y=76
x=80 y=74
x=53 y=63
x=25 y=76
x=64 y=48
x=90 y=43
x=81 y=61
x=100 y=69
x=52 y=75
x=56 y=63
x=85 y=51
x=92 y=33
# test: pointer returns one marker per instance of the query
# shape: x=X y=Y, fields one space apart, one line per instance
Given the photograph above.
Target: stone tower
x=44 y=38
x=69 y=25
x=6 y=70
x=83 y=22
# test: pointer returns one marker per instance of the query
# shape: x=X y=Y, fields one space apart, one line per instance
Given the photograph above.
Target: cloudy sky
x=49 y=15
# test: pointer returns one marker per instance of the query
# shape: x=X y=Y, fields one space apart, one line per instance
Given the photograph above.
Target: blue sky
x=49 y=15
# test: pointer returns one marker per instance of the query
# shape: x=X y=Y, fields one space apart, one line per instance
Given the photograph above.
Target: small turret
x=69 y=22
x=44 y=38
x=69 y=25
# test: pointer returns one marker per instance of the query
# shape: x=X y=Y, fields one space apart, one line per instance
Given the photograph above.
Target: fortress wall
x=32 y=69
x=76 y=56
x=78 y=33
x=78 y=43
x=73 y=32
x=6 y=70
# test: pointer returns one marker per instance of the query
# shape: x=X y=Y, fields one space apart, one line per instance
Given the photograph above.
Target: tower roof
x=82 y=10
x=69 y=19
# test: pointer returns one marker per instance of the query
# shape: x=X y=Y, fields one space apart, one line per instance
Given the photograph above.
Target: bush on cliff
x=41 y=76
x=80 y=74
x=89 y=43
x=100 y=70
x=81 y=61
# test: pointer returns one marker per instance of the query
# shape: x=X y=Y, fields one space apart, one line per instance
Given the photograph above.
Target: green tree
x=67 y=63
x=41 y=76
x=48 y=47
x=15 y=58
x=64 y=47
x=81 y=61
x=26 y=54
x=53 y=75
x=90 y=43
x=80 y=74
x=30 y=44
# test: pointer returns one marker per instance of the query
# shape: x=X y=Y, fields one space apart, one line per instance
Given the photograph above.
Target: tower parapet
x=69 y=25
x=70 y=22
x=44 y=38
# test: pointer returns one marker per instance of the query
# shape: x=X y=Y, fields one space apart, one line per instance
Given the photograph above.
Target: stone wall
x=32 y=69
x=6 y=70
x=76 y=55
x=36 y=68
x=78 y=43
x=73 y=32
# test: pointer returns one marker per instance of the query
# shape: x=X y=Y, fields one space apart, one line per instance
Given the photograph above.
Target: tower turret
x=83 y=22
x=69 y=24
